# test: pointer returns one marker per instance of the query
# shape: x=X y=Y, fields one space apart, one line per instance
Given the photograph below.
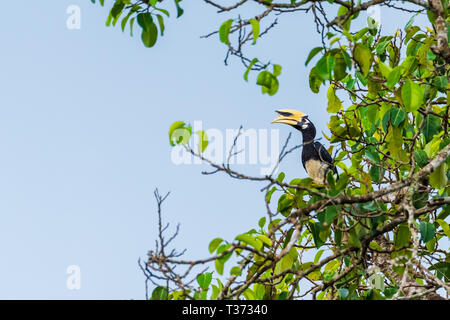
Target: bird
x=315 y=158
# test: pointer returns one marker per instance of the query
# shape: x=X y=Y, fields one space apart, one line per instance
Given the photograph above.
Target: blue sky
x=83 y=137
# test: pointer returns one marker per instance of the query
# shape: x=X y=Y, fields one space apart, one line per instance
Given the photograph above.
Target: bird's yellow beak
x=288 y=116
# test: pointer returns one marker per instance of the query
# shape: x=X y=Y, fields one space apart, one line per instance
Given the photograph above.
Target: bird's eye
x=305 y=123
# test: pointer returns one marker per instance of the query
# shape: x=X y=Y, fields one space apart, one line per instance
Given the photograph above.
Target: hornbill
x=315 y=158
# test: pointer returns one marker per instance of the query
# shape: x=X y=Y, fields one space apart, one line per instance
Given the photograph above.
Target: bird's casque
x=315 y=158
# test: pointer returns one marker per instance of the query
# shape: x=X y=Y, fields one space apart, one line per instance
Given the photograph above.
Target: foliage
x=386 y=217
x=148 y=14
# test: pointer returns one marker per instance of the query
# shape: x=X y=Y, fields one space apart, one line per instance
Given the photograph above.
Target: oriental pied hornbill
x=315 y=158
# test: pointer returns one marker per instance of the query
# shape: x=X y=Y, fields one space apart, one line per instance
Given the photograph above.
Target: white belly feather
x=317 y=170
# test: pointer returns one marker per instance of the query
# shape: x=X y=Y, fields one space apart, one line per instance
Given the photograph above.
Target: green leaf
x=350 y=84
x=438 y=178
x=444 y=213
x=265 y=240
x=178 y=132
x=109 y=19
x=445 y=227
x=360 y=34
x=361 y=78
x=219 y=264
x=442 y=270
x=314 y=80
x=394 y=140
x=149 y=35
x=274 y=223
x=381 y=47
x=214 y=244
x=161 y=23
x=224 y=31
x=353 y=239
x=325 y=66
x=285 y=263
x=255 y=29
x=160 y=293
x=411 y=32
x=440 y=83
x=373 y=155
x=262 y=222
x=375 y=246
x=145 y=20
x=280 y=177
x=412 y=96
x=268 y=82
x=317 y=256
x=394 y=77
x=248 y=294
x=410 y=21
x=389 y=292
x=276 y=70
x=372 y=113
x=131 y=25
x=315 y=230
x=269 y=194
x=255 y=60
x=348 y=59
x=408 y=65
x=179 y=9
x=376 y=173
x=402 y=237
x=332 y=266
x=338 y=237
x=448 y=29
x=330 y=180
x=123 y=24
x=394 y=116
x=426 y=231
x=312 y=54
x=235 y=271
x=250 y=240
x=327 y=216
x=202 y=140
x=336 y=39
x=397 y=116
x=340 y=66
x=334 y=104
x=385 y=70
x=431 y=127
x=163 y=11
x=421 y=158
x=342 y=11
x=204 y=280
x=343 y=181
x=363 y=56
x=117 y=9
x=432 y=147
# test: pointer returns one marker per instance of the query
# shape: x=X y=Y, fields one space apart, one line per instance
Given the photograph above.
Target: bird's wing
x=323 y=153
x=325 y=156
